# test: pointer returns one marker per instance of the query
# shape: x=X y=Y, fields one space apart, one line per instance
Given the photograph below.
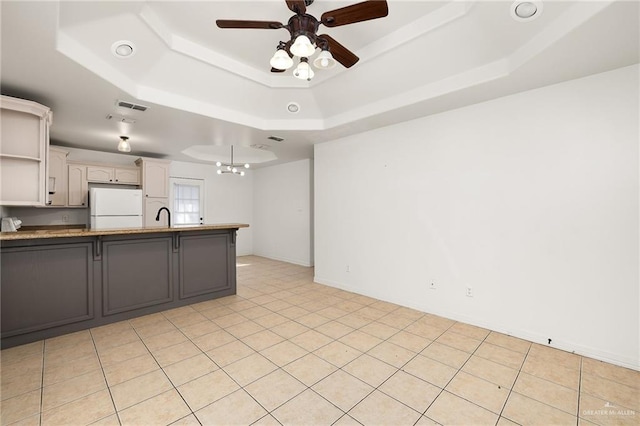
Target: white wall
x=531 y=200
x=282 y=212
x=228 y=198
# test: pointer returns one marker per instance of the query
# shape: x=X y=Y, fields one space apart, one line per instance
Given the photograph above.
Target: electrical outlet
x=432 y=286
x=65 y=218
x=469 y=292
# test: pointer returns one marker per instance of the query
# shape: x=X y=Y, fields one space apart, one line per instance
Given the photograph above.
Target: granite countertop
x=85 y=232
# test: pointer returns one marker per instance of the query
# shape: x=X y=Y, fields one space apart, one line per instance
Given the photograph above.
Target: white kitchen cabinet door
x=78 y=187
x=57 y=183
x=155 y=178
x=100 y=174
x=127 y=176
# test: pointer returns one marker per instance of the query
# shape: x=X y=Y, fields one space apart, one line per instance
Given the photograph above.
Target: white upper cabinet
x=155 y=187
x=24 y=140
x=57 y=182
x=114 y=175
x=155 y=177
x=128 y=176
x=78 y=187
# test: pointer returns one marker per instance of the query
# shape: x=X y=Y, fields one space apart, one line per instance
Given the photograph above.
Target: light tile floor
x=287 y=351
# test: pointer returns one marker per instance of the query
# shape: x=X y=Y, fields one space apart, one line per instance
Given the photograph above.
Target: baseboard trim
x=522 y=334
x=285 y=259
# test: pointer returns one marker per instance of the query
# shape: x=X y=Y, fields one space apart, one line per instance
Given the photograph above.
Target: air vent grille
x=275 y=138
x=131 y=105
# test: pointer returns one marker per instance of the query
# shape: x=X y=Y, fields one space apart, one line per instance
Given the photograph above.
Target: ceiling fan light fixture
x=124 y=145
x=324 y=61
x=302 y=47
x=281 y=60
x=303 y=71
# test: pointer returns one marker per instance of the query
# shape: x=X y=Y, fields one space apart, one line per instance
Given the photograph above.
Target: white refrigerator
x=113 y=208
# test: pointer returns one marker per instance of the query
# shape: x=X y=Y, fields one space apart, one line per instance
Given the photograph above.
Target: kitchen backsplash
x=31 y=216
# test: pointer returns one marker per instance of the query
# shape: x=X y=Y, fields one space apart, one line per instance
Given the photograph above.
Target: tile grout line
x=554 y=383
x=269 y=412
x=106 y=382
x=201 y=352
x=460 y=369
x=579 y=392
x=514 y=384
x=44 y=342
x=221 y=368
x=308 y=352
x=61 y=381
x=160 y=367
x=377 y=388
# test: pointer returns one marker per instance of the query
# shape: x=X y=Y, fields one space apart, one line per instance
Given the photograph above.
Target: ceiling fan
x=304 y=37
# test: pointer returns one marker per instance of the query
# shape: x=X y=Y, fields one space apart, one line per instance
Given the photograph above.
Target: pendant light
x=124 y=145
x=231 y=167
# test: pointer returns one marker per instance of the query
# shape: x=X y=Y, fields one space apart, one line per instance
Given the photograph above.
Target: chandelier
x=231 y=167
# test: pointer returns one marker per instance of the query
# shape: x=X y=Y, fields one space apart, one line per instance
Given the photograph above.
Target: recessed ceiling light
x=123 y=49
x=293 y=107
x=527 y=10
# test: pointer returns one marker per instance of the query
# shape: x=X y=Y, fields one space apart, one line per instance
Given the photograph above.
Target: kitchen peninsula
x=60 y=281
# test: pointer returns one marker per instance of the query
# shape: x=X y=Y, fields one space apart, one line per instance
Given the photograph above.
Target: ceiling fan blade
x=231 y=23
x=339 y=52
x=276 y=70
x=371 y=9
x=297 y=6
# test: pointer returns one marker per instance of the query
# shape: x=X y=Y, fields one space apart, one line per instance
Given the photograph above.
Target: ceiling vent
x=260 y=146
x=275 y=138
x=131 y=105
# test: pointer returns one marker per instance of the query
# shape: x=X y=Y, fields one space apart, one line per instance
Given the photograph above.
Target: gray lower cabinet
x=59 y=285
x=136 y=273
x=46 y=286
x=204 y=264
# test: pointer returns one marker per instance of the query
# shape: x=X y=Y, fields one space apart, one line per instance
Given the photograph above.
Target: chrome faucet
x=168 y=216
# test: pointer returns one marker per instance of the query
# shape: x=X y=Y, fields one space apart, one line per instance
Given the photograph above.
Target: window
x=187 y=201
